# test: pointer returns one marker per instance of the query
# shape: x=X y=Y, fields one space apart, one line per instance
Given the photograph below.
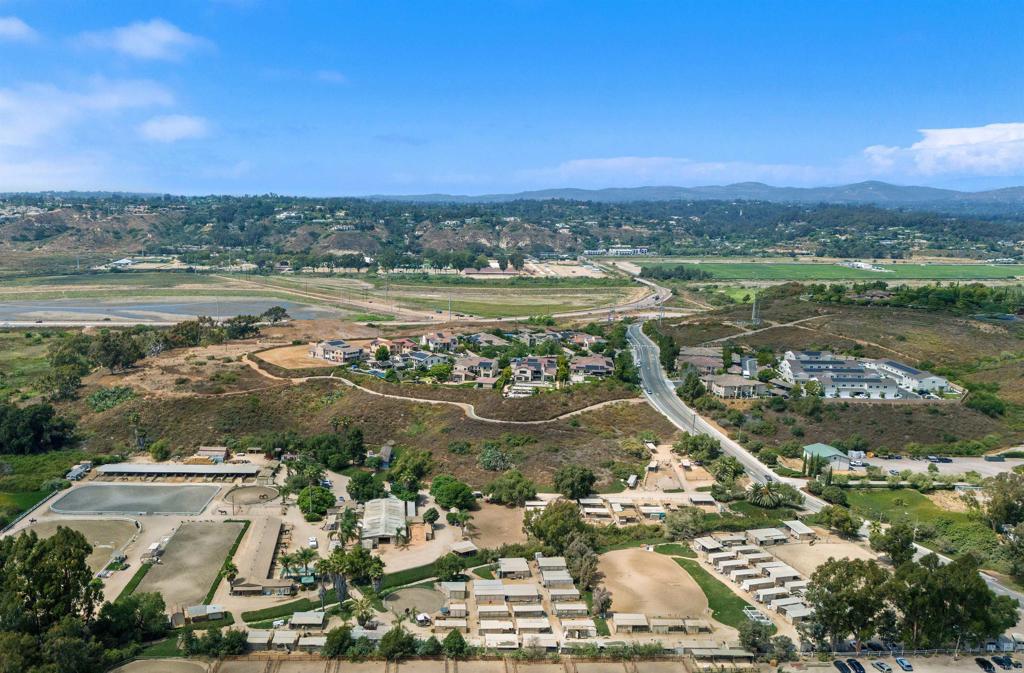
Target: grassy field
x=23 y=361
x=890 y=505
x=816 y=271
x=726 y=606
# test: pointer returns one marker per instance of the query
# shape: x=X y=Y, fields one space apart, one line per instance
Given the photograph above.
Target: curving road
x=661 y=394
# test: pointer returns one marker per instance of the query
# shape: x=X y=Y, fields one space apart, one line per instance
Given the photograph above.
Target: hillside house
x=439 y=342
x=336 y=350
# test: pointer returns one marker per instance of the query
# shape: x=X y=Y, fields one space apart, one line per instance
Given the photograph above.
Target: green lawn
x=675 y=549
x=946 y=532
x=162 y=649
x=136 y=579
x=726 y=607
x=484 y=572
x=903 y=503
x=795 y=271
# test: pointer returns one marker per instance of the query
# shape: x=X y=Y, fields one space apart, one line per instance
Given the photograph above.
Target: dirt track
x=652 y=584
x=188 y=567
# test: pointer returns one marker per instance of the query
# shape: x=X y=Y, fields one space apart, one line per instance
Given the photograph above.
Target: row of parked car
x=851 y=665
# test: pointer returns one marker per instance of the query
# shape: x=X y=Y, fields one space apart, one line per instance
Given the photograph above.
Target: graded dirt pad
x=294 y=357
x=105 y=535
x=163 y=666
x=600 y=667
x=805 y=557
x=189 y=565
x=135 y=499
x=495 y=525
x=481 y=667
x=416 y=599
x=251 y=495
x=539 y=668
x=651 y=583
x=305 y=667
x=424 y=666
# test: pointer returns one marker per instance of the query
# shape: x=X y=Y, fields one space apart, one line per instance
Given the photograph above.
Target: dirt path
x=466 y=408
x=793 y=323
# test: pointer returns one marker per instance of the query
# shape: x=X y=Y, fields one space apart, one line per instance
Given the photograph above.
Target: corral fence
x=28 y=511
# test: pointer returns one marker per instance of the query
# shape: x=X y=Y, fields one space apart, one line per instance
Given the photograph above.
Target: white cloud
x=156 y=39
x=331 y=76
x=993 y=149
x=630 y=171
x=31 y=112
x=170 y=128
x=14 y=29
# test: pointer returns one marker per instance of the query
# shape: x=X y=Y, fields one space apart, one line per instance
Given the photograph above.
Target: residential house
x=731 y=386
x=584 y=340
x=704 y=360
x=590 y=365
x=439 y=341
x=336 y=350
x=487 y=339
x=534 y=369
x=866 y=385
x=423 y=359
x=472 y=367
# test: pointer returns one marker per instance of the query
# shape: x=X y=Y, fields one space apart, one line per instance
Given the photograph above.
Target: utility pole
x=449 y=307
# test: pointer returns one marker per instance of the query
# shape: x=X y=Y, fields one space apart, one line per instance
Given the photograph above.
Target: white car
x=313 y=544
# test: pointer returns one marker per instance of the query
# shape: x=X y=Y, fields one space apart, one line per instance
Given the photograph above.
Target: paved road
x=661 y=394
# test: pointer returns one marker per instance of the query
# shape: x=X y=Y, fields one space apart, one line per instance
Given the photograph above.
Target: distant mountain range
x=871 y=192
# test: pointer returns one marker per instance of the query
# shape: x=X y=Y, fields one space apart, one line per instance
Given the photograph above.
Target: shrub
x=108 y=398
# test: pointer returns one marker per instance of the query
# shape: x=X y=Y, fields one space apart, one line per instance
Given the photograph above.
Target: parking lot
x=924 y=664
x=958 y=466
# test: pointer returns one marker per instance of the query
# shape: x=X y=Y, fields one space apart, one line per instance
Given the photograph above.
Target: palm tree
x=402 y=537
x=306 y=556
x=348 y=526
x=287 y=562
x=362 y=609
x=333 y=567
x=765 y=495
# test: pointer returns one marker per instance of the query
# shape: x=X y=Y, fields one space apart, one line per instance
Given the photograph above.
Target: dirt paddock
x=495 y=525
x=251 y=495
x=105 y=535
x=415 y=599
x=193 y=557
x=805 y=557
x=651 y=583
x=294 y=357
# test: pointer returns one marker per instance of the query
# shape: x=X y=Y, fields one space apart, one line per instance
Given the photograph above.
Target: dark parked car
x=841 y=666
x=984 y=664
x=875 y=647
x=1002 y=662
x=856 y=666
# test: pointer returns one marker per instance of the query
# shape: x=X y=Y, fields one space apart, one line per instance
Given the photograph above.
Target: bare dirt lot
x=651 y=583
x=251 y=495
x=105 y=535
x=190 y=564
x=294 y=357
x=805 y=557
x=495 y=525
x=415 y=599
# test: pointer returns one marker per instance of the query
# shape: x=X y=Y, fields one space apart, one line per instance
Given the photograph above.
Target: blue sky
x=337 y=98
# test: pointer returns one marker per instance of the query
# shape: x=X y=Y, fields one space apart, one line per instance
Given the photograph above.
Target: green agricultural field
x=781 y=271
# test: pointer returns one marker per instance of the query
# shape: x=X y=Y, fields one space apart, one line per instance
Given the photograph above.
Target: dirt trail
x=466 y=408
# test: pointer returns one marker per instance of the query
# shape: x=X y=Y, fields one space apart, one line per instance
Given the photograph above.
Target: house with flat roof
x=579 y=628
x=308 y=620
x=706 y=545
x=799 y=531
x=258 y=640
x=766 y=536
x=446 y=624
x=732 y=386
x=629 y=622
x=513 y=568
x=832 y=456
x=556 y=578
x=203 y=613
x=571 y=609
x=284 y=640
x=454 y=590
x=551 y=562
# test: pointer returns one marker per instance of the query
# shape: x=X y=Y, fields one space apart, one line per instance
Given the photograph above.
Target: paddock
x=652 y=584
x=105 y=535
x=251 y=495
x=415 y=600
x=191 y=562
x=136 y=499
x=805 y=557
